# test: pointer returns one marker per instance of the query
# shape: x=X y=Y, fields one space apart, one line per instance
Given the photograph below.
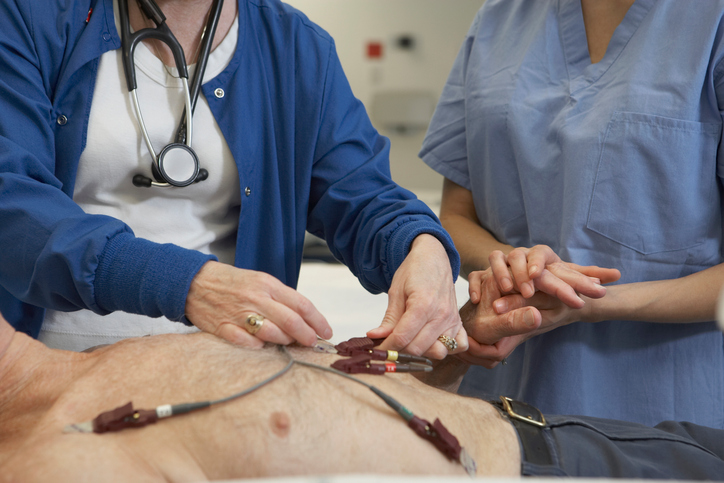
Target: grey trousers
x=591 y=447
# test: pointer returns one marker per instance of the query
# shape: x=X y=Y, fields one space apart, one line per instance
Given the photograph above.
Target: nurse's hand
x=497 y=323
x=222 y=297
x=528 y=270
x=422 y=304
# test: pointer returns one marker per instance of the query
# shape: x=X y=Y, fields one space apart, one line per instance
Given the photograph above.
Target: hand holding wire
x=422 y=304
x=223 y=300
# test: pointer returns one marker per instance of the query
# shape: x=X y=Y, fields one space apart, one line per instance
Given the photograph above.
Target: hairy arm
x=446 y=375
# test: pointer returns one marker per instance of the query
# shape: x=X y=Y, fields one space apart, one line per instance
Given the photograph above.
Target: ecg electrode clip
x=362 y=364
x=444 y=441
x=361 y=352
x=124 y=417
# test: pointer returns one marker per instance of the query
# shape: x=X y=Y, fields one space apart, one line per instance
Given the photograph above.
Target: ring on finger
x=449 y=343
x=253 y=323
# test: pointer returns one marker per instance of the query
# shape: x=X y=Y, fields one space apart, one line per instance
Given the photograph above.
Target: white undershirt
x=203 y=216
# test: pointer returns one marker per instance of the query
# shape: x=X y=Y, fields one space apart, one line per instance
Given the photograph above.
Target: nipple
x=280 y=423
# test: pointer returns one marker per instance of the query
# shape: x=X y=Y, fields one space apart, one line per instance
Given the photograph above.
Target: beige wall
x=438 y=27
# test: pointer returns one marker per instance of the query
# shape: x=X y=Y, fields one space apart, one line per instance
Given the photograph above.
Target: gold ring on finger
x=253 y=323
x=449 y=343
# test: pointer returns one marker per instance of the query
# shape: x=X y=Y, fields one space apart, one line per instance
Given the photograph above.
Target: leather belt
x=530 y=423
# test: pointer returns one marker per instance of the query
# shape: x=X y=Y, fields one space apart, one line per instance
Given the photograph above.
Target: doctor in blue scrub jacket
x=105 y=234
x=590 y=130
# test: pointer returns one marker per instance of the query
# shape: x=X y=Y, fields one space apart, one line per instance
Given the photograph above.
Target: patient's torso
x=305 y=422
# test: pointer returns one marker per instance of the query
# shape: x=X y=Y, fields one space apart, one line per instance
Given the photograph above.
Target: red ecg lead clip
x=359 y=364
x=362 y=352
x=362 y=364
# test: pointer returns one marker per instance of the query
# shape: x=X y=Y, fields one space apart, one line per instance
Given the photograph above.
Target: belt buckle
x=507 y=405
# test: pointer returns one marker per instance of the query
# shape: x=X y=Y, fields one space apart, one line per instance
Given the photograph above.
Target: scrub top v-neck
x=615 y=164
x=582 y=73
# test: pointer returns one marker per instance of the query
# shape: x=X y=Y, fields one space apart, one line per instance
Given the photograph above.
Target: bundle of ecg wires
x=362 y=357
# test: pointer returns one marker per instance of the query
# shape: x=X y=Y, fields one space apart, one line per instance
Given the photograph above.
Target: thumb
x=516 y=322
x=395 y=309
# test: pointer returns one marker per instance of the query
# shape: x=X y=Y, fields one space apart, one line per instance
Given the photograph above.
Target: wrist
x=467 y=315
x=426 y=241
x=447 y=374
x=201 y=285
x=594 y=310
x=419 y=239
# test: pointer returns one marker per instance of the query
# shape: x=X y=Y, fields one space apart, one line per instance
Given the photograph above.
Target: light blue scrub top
x=616 y=164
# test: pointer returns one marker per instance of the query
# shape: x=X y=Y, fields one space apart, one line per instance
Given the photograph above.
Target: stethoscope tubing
x=161 y=32
x=207 y=38
x=144 y=132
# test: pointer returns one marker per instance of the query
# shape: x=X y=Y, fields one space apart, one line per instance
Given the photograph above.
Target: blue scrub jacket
x=300 y=139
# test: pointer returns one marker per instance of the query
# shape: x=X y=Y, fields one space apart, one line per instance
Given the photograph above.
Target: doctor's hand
x=422 y=305
x=222 y=297
x=528 y=270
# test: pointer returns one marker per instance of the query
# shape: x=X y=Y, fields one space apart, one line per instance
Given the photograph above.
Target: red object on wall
x=374 y=50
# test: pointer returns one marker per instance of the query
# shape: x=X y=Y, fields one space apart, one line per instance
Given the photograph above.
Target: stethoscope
x=176 y=164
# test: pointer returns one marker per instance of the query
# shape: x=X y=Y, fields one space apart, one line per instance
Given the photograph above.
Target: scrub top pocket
x=655 y=185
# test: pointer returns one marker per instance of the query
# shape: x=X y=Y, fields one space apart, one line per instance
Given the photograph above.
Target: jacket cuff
x=142 y=277
x=400 y=241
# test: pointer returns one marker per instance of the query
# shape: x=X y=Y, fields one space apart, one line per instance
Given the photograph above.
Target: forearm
x=446 y=375
x=458 y=217
x=473 y=242
x=688 y=299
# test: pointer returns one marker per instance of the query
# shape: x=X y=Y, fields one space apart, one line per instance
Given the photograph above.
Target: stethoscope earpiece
x=142 y=181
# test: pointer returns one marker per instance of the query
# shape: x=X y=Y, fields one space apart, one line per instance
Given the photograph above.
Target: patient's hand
x=499 y=322
x=528 y=292
x=494 y=334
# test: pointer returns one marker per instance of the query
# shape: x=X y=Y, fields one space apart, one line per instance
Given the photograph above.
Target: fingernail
x=583 y=302
x=474 y=297
x=500 y=306
x=507 y=284
x=327 y=333
x=372 y=331
x=533 y=270
x=529 y=319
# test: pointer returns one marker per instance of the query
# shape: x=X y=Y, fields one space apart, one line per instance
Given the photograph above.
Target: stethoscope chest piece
x=178 y=165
